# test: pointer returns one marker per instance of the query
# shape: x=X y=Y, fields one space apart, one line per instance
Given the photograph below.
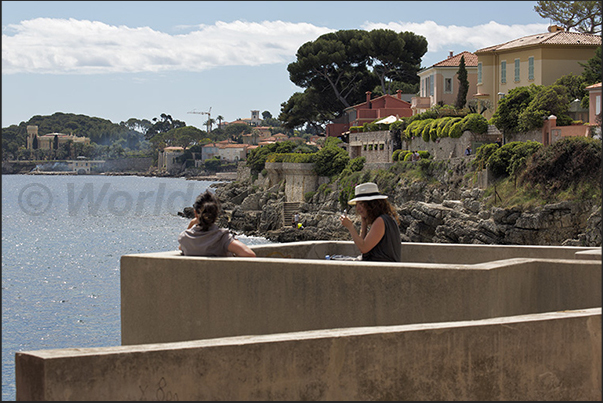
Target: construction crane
x=208 y=113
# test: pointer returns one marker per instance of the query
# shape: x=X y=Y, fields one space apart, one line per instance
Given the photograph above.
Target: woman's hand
x=346 y=222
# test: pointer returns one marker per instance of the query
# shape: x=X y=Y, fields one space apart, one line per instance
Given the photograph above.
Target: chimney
x=555 y=28
x=399 y=94
x=451 y=53
x=368 y=97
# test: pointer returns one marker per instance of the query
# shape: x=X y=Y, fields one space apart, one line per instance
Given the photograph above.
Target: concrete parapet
x=166 y=297
x=549 y=356
x=452 y=322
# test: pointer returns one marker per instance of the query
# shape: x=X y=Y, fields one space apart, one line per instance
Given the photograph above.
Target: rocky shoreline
x=451 y=211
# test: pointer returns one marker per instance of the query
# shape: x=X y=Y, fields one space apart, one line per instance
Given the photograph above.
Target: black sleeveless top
x=389 y=247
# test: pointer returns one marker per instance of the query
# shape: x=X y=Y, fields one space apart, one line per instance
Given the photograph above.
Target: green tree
x=551 y=100
x=507 y=114
x=307 y=107
x=236 y=130
x=582 y=16
x=592 y=69
x=461 y=98
x=186 y=136
x=330 y=160
x=163 y=125
x=391 y=58
x=220 y=118
x=335 y=65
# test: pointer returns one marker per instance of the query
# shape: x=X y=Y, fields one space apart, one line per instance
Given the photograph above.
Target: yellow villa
x=535 y=59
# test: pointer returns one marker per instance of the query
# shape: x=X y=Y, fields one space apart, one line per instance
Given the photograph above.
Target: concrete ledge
x=549 y=356
x=594 y=254
x=166 y=297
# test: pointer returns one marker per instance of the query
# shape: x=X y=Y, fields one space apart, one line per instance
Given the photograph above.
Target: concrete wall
x=166 y=297
x=550 y=356
x=299 y=179
x=128 y=164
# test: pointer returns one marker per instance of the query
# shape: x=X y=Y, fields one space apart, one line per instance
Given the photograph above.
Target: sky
x=118 y=60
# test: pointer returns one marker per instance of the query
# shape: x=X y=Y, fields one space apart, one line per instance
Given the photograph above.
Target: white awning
x=388 y=120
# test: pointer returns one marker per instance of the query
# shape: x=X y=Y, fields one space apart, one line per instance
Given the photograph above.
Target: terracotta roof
x=234 y=146
x=549 y=38
x=597 y=85
x=455 y=61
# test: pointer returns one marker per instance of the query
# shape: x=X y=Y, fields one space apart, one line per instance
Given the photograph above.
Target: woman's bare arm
x=240 y=249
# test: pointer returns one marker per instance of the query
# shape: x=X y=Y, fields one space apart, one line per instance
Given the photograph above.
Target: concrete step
x=289 y=210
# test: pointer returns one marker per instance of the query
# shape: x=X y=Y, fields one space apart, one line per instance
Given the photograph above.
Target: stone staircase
x=289 y=210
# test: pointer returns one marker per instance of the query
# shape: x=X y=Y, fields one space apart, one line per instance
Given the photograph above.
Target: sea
x=62 y=240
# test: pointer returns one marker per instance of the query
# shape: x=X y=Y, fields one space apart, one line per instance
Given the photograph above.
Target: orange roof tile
x=455 y=61
x=549 y=38
x=597 y=85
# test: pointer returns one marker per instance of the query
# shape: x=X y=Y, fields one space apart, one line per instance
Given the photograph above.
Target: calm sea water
x=62 y=239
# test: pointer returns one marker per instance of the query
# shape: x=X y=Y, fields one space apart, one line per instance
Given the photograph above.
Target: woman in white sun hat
x=380 y=243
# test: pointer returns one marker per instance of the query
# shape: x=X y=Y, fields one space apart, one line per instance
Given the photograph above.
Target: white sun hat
x=365 y=192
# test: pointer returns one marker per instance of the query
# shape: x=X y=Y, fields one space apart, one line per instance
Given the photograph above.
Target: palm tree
x=220 y=118
x=209 y=123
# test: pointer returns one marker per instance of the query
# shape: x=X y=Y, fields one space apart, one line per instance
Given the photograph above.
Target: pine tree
x=461 y=98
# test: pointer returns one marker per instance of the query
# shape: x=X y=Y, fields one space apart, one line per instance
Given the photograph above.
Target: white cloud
x=61 y=46
x=472 y=38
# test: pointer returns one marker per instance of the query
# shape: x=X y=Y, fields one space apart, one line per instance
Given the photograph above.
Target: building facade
x=47 y=141
x=538 y=59
x=440 y=83
x=369 y=111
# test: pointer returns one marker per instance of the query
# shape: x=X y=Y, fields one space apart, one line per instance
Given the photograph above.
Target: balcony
x=420 y=102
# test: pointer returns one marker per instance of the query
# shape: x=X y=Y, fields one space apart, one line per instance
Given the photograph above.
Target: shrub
x=424 y=154
x=483 y=153
x=441 y=124
x=426 y=129
x=507 y=159
x=356 y=129
x=433 y=131
x=308 y=196
x=402 y=155
x=456 y=130
x=398 y=125
x=475 y=123
x=356 y=164
x=448 y=126
x=412 y=129
x=395 y=155
x=565 y=163
x=330 y=160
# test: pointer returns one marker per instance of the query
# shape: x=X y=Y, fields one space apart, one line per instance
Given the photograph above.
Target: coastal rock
x=451 y=211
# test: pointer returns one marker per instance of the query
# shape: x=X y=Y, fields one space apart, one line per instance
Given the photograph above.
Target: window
x=479 y=73
x=431 y=82
x=516 y=70
x=503 y=72
x=448 y=85
x=530 y=68
x=597 y=104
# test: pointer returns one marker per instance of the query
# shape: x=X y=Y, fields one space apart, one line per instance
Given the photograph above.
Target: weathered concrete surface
x=549 y=356
x=166 y=297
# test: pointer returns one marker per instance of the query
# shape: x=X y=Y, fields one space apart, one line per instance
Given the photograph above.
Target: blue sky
x=119 y=59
